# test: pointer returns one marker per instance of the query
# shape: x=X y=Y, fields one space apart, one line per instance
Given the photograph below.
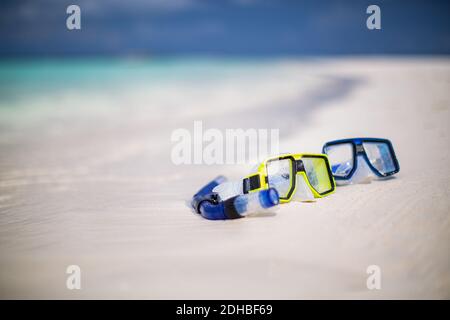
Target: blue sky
x=232 y=27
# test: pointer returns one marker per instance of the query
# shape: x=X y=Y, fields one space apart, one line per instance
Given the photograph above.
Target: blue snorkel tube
x=210 y=206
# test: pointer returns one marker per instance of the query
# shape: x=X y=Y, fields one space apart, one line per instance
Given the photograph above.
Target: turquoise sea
x=26 y=79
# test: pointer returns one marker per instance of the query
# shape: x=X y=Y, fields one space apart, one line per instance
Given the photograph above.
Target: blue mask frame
x=358 y=149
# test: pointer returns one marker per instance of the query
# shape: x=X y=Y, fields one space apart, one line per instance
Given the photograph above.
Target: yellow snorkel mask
x=301 y=177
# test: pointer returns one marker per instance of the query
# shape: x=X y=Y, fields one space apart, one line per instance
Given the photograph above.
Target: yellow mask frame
x=308 y=165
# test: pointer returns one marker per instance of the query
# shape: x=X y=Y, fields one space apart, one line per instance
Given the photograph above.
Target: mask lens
x=279 y=174
x=380 y=156
x=317 y=172
x=341 y=158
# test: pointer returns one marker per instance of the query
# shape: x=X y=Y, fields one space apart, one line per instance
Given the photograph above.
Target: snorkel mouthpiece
x=212 y=207
x=211 y=185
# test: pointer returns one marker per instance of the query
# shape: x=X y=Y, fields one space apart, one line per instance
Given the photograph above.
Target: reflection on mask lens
x=317 y=172
x=380 y=156
x=279 y=174
x=341 y=158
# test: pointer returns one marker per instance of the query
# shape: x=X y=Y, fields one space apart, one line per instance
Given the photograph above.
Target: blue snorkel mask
x=211 y=206
x=359 y=160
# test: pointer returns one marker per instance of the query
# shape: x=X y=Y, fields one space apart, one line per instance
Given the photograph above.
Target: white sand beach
x=86 y=179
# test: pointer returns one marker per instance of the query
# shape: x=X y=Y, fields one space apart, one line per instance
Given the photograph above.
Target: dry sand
x=86 y=178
